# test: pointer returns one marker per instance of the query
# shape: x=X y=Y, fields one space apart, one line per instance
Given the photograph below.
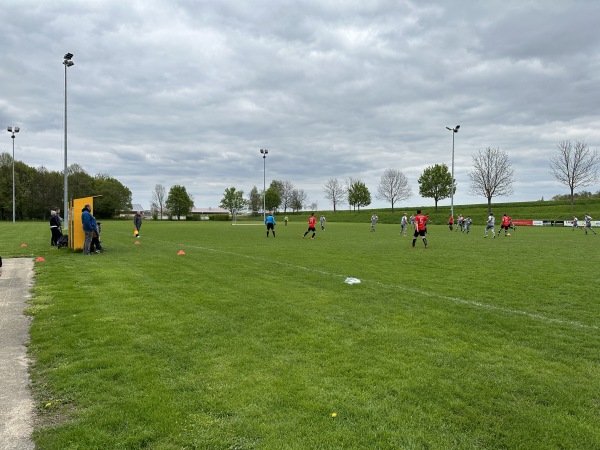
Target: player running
x=506 y=220
x=490 y=225
x=588 y=224
x=420 y=228
x=312 y=221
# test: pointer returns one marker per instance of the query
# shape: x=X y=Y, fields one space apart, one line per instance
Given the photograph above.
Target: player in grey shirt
x=490 y=225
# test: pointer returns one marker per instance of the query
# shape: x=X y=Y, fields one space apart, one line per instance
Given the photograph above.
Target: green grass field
x=246 y=342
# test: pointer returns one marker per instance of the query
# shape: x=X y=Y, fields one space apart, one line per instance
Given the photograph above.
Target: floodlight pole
x=264 y=152
x=13 y=130
x=67 y=63
x=454 y=131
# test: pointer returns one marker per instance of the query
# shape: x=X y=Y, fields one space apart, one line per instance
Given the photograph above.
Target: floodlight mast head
x=13 y=130
x=264 y=152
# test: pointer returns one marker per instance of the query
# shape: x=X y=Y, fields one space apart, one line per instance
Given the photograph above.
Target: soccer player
x=588 y=223
x=490 y=225
x=461 y=223
x=270 y=223
x=504 y=225
x=403 y=224
x=420 y=228
x=575 y=220
x=312 y=221
x=374 y=219
x=322 y=223
x=450 y=222
x=467 y=225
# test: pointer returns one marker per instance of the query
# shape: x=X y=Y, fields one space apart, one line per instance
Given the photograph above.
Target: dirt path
x=16 y=402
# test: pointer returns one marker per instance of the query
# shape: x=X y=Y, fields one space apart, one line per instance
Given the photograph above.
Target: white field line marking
x=462 y=301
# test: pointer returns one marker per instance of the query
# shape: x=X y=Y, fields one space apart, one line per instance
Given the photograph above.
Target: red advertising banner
x=522 y=223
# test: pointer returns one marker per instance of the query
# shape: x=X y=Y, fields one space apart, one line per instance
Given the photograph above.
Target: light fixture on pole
x=67 y=63
x=264 y=152
x=13 y=130
x=454 y=131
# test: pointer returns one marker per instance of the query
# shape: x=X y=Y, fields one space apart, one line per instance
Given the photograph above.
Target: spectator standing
x=54 y=228
x=88 y=229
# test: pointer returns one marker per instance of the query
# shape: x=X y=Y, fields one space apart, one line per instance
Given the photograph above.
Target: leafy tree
x=358 y=194
x=179 y=202
x=436 y=182
x=114 y=196
x=233 y=200
x=575 y=165
x=81 y=184
x=335 y=193
x=492 y=174
x=159 y=196
x=272 y=199
x=393 y=187
x=254 y=200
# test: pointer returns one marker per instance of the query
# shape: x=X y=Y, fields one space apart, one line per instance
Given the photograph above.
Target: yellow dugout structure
x=76 y=234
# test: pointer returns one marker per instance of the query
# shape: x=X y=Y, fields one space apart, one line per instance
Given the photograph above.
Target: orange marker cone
x=181 y=252
x=137 y=242
x=40 y=259
x=23 y=245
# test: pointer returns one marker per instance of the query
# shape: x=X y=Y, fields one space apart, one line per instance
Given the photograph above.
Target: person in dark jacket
x=137 y=220
x=54 y=228
x=88 y=228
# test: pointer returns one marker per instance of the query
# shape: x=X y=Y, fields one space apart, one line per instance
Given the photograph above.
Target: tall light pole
x=67 y=63
x=13 y=130
x=454 y=131
x=264 y=152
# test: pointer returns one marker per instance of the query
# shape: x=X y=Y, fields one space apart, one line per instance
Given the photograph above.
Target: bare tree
x=393 y=187
x=335 y=192
x=299 y=199
x=492 y=174
x=575 y=166
x=159 y=197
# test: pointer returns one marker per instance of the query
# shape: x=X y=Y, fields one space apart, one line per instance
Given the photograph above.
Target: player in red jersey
x=420 y=228
x=506 y=220
x=312 y=221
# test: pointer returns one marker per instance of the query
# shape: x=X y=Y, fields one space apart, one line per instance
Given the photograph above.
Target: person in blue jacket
x=270 y=223
x=88 y=228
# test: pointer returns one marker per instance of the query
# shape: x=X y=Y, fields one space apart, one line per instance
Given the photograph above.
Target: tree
x=233 y=200
x=492 y=174
x=114 y=197
x=179 y=202
x=436 y=182
x=287 y=195
x=335 y=192
x=254 y=200
x=393 y=187
x=81 y=184
x=358 y=194
x=272 y=199
x=158 y=199
x=299 y=199
x=575 y=166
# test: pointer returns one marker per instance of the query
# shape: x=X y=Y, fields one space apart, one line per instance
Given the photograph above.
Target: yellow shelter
x=76 y=234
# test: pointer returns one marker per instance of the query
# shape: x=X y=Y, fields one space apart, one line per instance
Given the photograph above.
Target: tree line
x=574 y=165
x=38 y=191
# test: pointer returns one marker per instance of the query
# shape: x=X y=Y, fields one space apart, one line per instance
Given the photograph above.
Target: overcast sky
x=187 y=92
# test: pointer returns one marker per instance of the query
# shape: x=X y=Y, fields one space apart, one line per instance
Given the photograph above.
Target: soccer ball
x=507 y=234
